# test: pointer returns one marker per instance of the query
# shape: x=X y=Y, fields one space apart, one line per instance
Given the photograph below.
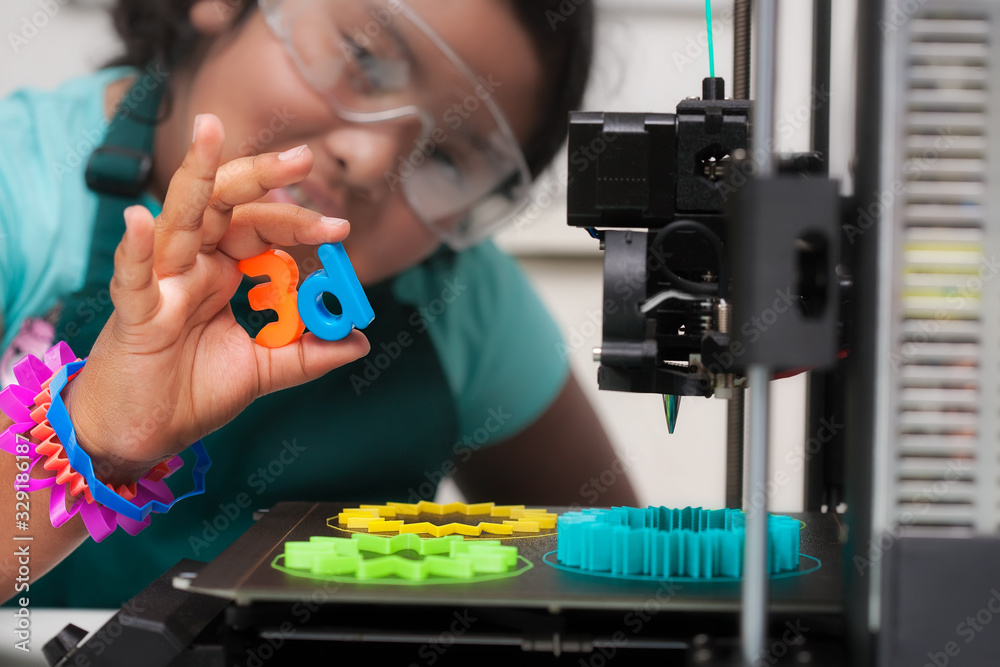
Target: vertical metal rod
x=766 y=20
x=822 y=18
x=815 y=492
x=741 y=50
x=734 y=448
x=753 y=621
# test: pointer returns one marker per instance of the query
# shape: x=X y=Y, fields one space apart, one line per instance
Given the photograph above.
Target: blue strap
x=122 y=165
x=80 y=461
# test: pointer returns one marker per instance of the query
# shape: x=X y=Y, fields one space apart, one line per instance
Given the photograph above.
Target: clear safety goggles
x=378 y=61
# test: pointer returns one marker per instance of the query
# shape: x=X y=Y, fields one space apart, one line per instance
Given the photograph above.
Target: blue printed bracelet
x=81 y=462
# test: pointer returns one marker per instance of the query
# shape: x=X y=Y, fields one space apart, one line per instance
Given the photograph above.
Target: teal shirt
x=494 y=342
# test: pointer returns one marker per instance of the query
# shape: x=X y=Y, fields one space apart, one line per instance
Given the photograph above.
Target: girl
x=421 y=122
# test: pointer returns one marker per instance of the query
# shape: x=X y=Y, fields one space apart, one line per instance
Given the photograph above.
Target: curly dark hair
x=562 y=32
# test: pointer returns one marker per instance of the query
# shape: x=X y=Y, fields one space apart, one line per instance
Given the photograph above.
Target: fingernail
x=127 y=215
x=197 y=122
x=336 y=222
x=292 y=153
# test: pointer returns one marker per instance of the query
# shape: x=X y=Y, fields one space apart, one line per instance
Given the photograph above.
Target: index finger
x=179 y=226
x=245 y=180
x=256 y=228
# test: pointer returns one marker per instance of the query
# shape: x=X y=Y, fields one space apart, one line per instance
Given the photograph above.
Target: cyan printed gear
x=662 y=542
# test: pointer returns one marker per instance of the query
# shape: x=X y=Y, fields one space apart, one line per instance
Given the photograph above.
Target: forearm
x=31 y=546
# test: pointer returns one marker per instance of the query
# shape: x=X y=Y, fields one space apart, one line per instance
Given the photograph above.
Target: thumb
x=135 y=290
x=305 y=360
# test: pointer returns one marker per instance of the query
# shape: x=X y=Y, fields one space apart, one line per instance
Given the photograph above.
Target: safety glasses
x=378 y=61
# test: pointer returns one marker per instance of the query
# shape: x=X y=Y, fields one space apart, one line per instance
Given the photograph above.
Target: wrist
x=96 y=437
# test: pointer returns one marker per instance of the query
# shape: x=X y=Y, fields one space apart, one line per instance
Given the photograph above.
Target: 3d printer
x=725 y=265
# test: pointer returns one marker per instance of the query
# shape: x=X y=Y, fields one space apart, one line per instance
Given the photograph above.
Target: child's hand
x=172 y=365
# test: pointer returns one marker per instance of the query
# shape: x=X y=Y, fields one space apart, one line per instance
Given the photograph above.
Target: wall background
x=652 y=54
